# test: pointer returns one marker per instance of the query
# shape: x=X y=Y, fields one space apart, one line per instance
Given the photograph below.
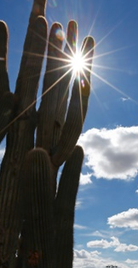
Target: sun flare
x=78 y=63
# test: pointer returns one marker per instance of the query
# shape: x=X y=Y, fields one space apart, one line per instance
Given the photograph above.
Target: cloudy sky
x=106 y=222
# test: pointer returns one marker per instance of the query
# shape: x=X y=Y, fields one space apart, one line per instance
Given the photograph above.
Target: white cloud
x=114 y=243
x=99 y=244
x=81 y=253
x=104 y=233
x=97 y=233
x=132 y=261
x=80 y=227
x=125 y=219
x=111 y=153
x=126 y=248
x=103 y=243
x=94 y=259
x=78 y=204
x=85 y=179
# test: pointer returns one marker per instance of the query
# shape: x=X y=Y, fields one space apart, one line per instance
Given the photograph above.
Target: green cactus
x=36 y=217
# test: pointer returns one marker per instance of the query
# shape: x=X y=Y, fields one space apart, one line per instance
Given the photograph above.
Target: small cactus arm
x=34 y=213
x=6 y=97
x=64 y=205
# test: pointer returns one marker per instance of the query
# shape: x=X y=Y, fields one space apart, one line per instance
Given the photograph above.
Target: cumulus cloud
x=125 y=219
x=126 y=248
x=85 y=179
x=114 y=243
x=111 y=153
x=99 y=244
x=81 y=254
x=93 y=259
x=132 y=261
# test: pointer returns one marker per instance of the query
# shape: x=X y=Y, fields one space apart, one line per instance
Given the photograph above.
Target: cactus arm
x=27 y=82
x=37 y=204
x=76 y=113
x=56 y=83
x=64 y=208
x=38 y=9
x=6 y=98
x=71 y=129
x=47 y=108
x=70 y=48
x=66 y=73
x=4 y=36
x=88 y=50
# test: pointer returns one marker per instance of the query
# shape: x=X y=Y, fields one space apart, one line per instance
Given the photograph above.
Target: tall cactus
x=36 y=217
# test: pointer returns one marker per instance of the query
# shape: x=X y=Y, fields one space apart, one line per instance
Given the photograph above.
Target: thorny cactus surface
x=36 y=218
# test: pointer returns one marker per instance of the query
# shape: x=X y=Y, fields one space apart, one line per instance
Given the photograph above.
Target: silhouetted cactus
x=36 y=217
x=38 y=209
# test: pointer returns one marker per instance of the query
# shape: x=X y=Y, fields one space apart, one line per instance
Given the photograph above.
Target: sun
x=78 y=63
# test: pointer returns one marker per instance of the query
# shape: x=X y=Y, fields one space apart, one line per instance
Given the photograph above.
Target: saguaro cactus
x=36 y=217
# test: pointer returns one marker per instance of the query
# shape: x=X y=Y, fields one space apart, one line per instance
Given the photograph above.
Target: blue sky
x=106 y=222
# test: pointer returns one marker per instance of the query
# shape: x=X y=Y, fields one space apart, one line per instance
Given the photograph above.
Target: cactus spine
x=34 y=214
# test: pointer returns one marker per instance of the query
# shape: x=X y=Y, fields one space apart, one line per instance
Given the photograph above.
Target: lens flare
x=82 y=83
x=60 y=34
